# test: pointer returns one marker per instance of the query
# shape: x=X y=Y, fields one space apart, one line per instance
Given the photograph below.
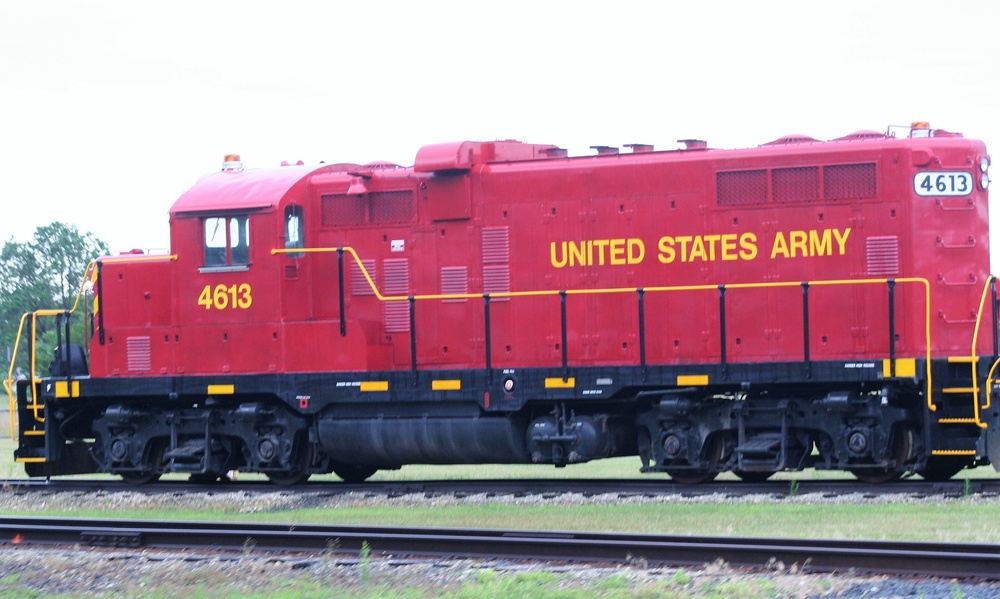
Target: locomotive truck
x=800 y=304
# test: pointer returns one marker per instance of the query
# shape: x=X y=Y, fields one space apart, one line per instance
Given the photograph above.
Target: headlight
x=984 y=181
x=984 y=163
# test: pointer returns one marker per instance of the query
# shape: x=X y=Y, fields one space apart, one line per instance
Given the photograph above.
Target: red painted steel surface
x=494 y=217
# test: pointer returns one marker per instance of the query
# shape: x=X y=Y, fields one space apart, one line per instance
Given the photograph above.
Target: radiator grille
x=796 y=184
x=377 y=208
x=846 y=181
x=391 y=207
x=738 y=188
x=799 y=184
x=343 y=210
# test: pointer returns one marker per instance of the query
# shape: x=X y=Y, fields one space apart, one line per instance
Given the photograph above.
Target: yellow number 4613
x=221 y=297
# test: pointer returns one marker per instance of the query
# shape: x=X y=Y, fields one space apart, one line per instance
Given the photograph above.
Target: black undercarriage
x=752 y=420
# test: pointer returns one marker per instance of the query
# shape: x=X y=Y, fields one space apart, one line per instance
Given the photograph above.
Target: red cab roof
x=242 y=190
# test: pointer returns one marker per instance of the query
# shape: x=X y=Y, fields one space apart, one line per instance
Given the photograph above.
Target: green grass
x=965 y=519
x=937 y=520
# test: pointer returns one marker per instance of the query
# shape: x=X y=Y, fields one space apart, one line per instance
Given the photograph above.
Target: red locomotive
x=799 y=304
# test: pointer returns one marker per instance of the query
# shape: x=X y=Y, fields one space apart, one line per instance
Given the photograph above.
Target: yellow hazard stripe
x=374 y=385
x=446 y=385
x=558 y=383
x=221 y=389
x=66 y=389
x=905 y=367
x=687 y=380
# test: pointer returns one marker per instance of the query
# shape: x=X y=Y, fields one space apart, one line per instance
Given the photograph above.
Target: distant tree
x=45 y=272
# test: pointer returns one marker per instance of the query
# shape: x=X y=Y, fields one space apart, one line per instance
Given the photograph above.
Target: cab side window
x=294 y=230
x=227 y=240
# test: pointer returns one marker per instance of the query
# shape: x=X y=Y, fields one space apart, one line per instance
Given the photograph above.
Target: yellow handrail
x=974 y=357
x=378 y=294
x=8 y=383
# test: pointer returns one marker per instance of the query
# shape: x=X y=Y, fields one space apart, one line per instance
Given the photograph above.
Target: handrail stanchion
x=413 y=337
x=996 y=323
x=340 y=282
x=102 y=306
x=642 y=331
x=892 y=327
x=805 y=328
x=565 y=354
x=722 y=328
x=489 y=350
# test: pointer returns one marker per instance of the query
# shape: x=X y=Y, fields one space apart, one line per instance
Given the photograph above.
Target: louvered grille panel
x=359 y=285
x=391 y=207
x=737 y=188
x=847 y=181
x=454 y=281
x=496 y=279
x=496 y=245
x=883 y=256
x=139 y=354
x=397 y=282
x=799 y=184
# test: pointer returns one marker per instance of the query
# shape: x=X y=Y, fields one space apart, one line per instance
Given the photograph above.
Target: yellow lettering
x=636 y=251
x=820 y=246
x=841 y=240
x=729 y=247
x=684 y=240
x=712 y=240
x=600 y=244
x=748 y=243
x=577 y=253
x=698 y=249
x=780 y=246
x=798 y=241
x=557 y=262
x=221 y=297
x=667 y=252
x=618 y=251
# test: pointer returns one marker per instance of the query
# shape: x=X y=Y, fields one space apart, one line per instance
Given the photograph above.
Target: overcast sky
x=111 y=109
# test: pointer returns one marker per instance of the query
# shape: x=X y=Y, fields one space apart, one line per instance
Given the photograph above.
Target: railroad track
x=623 y=487
x=951 y=560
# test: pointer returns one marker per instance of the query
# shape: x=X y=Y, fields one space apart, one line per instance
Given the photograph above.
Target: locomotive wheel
x=354 y=474
x=752 y=477
x=299 y=472
x=942 y=468
x=713 y=455
x=901 y=444
x=155 y=460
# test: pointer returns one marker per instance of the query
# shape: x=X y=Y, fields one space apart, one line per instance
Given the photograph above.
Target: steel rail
x=965 y=560
x=624 y=487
